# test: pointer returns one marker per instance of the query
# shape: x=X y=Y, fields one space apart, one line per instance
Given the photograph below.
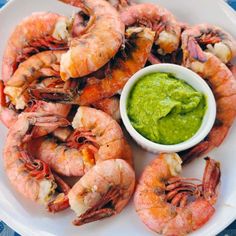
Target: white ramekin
x=192 y=79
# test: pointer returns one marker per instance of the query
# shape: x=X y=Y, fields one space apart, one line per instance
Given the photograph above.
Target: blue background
x=230 y=231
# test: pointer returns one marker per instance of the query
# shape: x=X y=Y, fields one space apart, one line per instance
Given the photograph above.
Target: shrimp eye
x=81 y=139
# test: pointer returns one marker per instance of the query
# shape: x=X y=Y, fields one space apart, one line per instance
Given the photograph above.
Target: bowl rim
x=195 y=139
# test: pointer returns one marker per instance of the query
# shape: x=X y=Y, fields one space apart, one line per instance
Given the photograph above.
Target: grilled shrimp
x=44 y=64
x=102 y=192
x=211 y=38
x=122 y=68
x=96 y=137
x=40 y=31
x=100 y=42
x=168 y=31
x=31 y=177
x=223 y=85
x=171 y=205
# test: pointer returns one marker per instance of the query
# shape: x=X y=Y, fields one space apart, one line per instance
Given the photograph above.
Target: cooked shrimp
x=8 y=115
x=171 y=205
x=121 y=68
x=40 y=31
x=97 y=137
x=100 y=42
x=101 y=130
x=43 y=64
x=63 y=159
x=102 y=192
x=31 y=177
x=168 y=31
x=223 y=85
x=211 y=38
x=111 y=106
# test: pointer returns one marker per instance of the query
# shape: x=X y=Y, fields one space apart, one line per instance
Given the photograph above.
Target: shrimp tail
x=94 y=216
x=62 y=201
x=211 y=180
x=195 y=50
x=104 y=208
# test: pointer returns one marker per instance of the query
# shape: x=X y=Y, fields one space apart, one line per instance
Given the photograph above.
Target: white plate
x=29 y=219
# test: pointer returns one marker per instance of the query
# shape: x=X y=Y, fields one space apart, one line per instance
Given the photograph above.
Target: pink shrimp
x=211 y=38
x=44 y=64
x=171 y=205
x=168 y=31
x=40 y=31
x=100 y=42
x=223 y=85
x=123 y=66
x=9 y=116
x=31 y=177
x=41 y=65
x=102 y=192
x=97 y=137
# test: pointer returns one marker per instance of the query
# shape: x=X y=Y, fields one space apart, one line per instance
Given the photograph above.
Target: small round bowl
x=189 y=77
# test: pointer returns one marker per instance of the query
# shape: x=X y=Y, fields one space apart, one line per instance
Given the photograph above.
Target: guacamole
x=164 y=109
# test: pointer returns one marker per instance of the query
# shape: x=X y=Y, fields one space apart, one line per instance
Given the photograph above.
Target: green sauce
x=164 y=109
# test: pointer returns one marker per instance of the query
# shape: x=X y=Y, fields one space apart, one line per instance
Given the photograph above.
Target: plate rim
x=25 y=231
